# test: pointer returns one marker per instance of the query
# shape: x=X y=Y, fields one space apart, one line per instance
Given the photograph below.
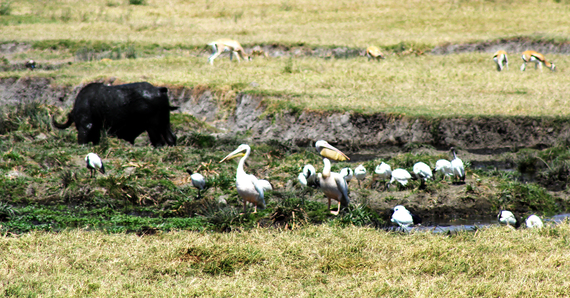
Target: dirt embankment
x=347 y=129
x=516 y=44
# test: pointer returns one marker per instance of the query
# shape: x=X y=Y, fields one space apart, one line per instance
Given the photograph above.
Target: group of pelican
x=334 y=185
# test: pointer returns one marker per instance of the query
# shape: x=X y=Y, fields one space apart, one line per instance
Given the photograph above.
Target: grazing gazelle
x=500 y=58
x=227 y=45
x=537 y=58
x=373 y=52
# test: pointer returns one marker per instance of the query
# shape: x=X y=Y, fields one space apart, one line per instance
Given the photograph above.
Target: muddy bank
x=351 y=130
x=517 y=44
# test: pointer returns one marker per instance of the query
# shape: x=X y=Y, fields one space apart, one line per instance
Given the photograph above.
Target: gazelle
x=500 y=58
x=227 y=45
x=537 y=58
x=373 y=52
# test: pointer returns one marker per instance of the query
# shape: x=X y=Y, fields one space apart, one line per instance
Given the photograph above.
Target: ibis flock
x=335 y=185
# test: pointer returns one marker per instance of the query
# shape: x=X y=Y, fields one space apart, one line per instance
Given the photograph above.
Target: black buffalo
x=124 y=111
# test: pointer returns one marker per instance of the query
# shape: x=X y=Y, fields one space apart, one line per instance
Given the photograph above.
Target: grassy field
x=346 y=23
x=306 y=262
x=454 y=85
x=166 y=37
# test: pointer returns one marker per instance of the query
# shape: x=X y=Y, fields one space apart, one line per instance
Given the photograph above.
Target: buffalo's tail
x=64 y=125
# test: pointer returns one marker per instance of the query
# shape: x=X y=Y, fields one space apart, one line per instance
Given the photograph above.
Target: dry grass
x=348 y=23
x=311 y=261
x=462 y=84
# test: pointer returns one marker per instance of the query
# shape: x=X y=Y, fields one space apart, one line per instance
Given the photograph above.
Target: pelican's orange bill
x=334 y=155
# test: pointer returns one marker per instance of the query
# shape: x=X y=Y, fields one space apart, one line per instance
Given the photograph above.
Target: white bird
x=423 y=172
x=457 y=167
x=333 y=184
x=400 y=175
x=404 y=218
x=248 y=186
x=384 y=171
x=198 y=181
x=443 y=166
x=347 y=173
x=508 y=218
x=360 y=173
x=94 y=163
x=308 y=176
x=534 y=221
x=265 y=185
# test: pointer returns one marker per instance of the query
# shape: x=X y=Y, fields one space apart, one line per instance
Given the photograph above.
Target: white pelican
x=457 y=167
x=508 y=218
x=347 y=173
x=534 y=221
x=444 y=167
x=400 y=175
x=198 y=181
x=360 y=173
x=423 y=172
x=333 y=184
x=404 y=218
x=94 y=163
x=248 y=186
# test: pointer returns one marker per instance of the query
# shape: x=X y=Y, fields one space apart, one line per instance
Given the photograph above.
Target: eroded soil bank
x=350 y=130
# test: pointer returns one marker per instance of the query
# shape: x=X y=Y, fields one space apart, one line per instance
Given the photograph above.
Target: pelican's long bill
x=237 y=153
x=330 y=152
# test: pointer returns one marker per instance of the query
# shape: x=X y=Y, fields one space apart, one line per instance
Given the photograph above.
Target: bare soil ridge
x=354 y=130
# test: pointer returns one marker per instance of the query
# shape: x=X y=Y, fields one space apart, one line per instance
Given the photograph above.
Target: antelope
x=537 y=58
x=373 y=52
x=500 y=58
x=227 y=45
x=258 y=51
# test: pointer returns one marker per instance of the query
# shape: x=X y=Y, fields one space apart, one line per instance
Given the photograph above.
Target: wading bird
x=443 y=166
x=227 y=45
x=506 y=217
x=198 y=181
x=457 y=167
x=360 y=174
x=373 y=52
x=500 y=58
x=308 y=176
x=384 y=171
x=347 y=173
x=537 y=58
x=248 y=186
x=400 y=175
x=534 y=221
x=332 y=184
x=94 y=163
x=423 y=172
x=404 y=218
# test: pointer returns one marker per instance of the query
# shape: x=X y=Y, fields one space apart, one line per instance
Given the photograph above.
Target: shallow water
x=473 y=224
